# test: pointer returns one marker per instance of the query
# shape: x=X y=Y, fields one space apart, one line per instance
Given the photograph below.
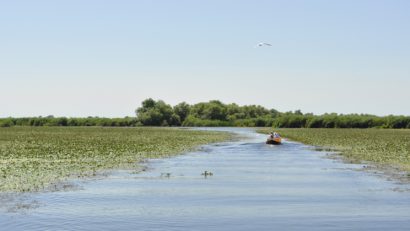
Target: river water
x=253 y=187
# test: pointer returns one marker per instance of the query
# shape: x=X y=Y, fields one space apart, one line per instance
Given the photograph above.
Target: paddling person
x=271 y=135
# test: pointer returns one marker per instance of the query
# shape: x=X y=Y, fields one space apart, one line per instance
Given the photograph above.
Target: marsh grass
x=380 y=146
x=31 y=158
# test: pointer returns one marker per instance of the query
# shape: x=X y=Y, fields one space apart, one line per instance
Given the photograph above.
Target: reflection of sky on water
x=254 y=186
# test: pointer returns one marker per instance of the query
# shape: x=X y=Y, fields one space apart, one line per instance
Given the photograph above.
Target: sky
x=103 y=58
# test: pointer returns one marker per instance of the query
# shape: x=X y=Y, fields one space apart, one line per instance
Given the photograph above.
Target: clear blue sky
x=102 y=58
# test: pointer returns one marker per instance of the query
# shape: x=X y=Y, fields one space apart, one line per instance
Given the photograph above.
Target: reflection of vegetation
x=31 y=158
x=379 y=146
x=216 y=113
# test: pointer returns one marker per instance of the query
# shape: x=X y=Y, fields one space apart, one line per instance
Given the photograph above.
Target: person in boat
x=273 y=135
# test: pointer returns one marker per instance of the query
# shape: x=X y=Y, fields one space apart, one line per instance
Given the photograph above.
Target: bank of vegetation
x=381 y=146
x=34 y=157
x=215 y=113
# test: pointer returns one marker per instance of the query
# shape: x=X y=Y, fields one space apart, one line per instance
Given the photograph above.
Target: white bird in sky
x=264 y=44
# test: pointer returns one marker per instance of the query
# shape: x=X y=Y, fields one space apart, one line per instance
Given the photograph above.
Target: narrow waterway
x=254 y=186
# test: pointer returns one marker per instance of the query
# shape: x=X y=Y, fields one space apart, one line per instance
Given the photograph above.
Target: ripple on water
x=253 y=186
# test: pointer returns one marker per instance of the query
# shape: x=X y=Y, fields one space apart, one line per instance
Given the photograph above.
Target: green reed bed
x=381 y=146
x=31 y=158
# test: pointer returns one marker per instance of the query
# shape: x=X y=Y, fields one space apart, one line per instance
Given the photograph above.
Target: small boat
x=275 y=141
x=274 y=138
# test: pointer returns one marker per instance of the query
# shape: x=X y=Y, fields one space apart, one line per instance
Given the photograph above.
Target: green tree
x=157 y=113
x=8 y=122
x=182 y=110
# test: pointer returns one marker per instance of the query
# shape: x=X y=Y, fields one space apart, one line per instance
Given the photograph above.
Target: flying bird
x=264 y=44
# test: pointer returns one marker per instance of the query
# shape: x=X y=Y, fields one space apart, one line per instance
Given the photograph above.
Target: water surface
x=254 y=187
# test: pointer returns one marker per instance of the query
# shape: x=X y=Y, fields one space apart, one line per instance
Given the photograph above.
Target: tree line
x=216 y=113
x=212 y=113
x=64 y=121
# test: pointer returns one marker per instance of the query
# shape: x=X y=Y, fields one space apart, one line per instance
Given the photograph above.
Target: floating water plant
x=381 y=146
x=166 y=174
x=207 y=173
x=33 y=157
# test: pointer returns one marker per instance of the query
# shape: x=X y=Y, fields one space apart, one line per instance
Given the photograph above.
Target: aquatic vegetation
x=381 y=146
x=207 y=173
x=31 y=158
x=166 y=174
